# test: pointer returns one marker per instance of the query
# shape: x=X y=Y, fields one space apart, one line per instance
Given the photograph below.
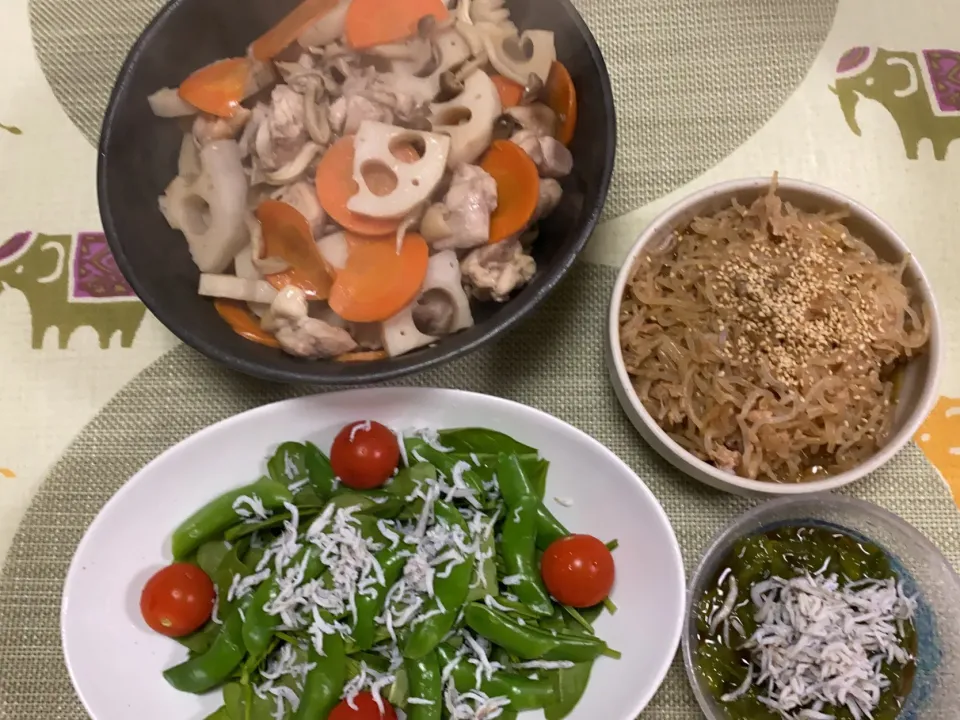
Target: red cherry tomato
x=578 y=570
x=364 y=455
x=366 y=709
x=177 y=600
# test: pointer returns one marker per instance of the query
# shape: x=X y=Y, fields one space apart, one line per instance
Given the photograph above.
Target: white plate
x=116 y=662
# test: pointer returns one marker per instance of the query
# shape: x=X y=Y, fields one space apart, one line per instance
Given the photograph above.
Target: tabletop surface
x=705 y=92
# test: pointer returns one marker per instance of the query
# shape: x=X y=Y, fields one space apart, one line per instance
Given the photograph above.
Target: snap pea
x=259 y=626
x=207 y=670
x=530 y=643
x=451 y=591
x=523 y=693
x=319 y=470
x=518 y=542
x=549 y=529
x=369 y=605
x=480 y=588
x=218 y=515
x=569 y=684
x=423 y=676
x=324 y=683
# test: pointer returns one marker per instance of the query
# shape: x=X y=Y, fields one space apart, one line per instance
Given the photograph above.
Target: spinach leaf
x=289 y=464
x=200 y=641
x=211 y=554
x=483 y=441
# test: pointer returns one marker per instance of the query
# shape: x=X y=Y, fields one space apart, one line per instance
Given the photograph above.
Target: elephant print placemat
x=859 y=95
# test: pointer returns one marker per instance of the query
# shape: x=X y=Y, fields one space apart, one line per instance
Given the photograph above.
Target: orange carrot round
x=284 y=33
x=287 y=235
x=243 y=322
x=378 y=282
x=218 y=88
x=377 y=22
x=562 y=99
x=518 y=188
x=510 y=91
x=335 y=186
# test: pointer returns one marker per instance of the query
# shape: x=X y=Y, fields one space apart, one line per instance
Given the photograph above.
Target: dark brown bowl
x=138 y=158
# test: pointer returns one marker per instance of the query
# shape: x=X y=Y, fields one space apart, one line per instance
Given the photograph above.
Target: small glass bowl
x=935 y=693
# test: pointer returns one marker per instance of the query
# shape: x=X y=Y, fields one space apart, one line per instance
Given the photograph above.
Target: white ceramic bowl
x=116 y=662
x=918 y=392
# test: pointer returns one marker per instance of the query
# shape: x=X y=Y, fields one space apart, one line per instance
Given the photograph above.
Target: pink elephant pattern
x=920 y=90
x=70 y=281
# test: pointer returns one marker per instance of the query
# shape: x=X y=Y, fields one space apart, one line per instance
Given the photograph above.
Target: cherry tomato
x=578 y=570
x=177 y=600
x=366 y=709
x=364 y=455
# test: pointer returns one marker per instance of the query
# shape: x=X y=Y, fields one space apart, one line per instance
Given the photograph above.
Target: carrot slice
x=378 y=282
x=510 y=91
x=562 y=99
x=287 y=235
x=335 y=186
x=518 y=188
x=377 y=22
x=362 y=356
x=217 y=88
x=278 y=38
x=243 y=322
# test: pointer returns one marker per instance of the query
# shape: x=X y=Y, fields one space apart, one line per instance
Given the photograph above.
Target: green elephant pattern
x=70 y=282
x=920 y=90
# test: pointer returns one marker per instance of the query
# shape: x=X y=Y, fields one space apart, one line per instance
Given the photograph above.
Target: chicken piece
x=303 y=197
x=302 y=335
x=347 y=112
x=282 y=134
x=207 y=128
x=551 y=156
x=550 y=194
x=495 y=271
x=468 y=204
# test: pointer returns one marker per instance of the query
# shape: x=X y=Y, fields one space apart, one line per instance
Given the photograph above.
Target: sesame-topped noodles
x=766 y=340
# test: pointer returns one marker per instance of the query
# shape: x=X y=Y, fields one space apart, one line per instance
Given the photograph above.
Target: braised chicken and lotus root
x=369 y=168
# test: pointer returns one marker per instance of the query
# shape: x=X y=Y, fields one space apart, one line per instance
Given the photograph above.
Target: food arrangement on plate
x=368 y=170
x=420 y=573
x=769 y=341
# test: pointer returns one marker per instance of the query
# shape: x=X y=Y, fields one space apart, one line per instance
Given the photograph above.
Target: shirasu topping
x=283 y=663
x=472 y=705
x=250 y=507
x=819 y=644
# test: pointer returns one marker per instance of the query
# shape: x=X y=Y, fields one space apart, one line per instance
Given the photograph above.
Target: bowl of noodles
x=773 y=337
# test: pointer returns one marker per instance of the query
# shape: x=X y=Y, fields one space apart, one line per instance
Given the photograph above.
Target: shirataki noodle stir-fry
x=367 y=169
x=420 y=573
x=767 y=340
